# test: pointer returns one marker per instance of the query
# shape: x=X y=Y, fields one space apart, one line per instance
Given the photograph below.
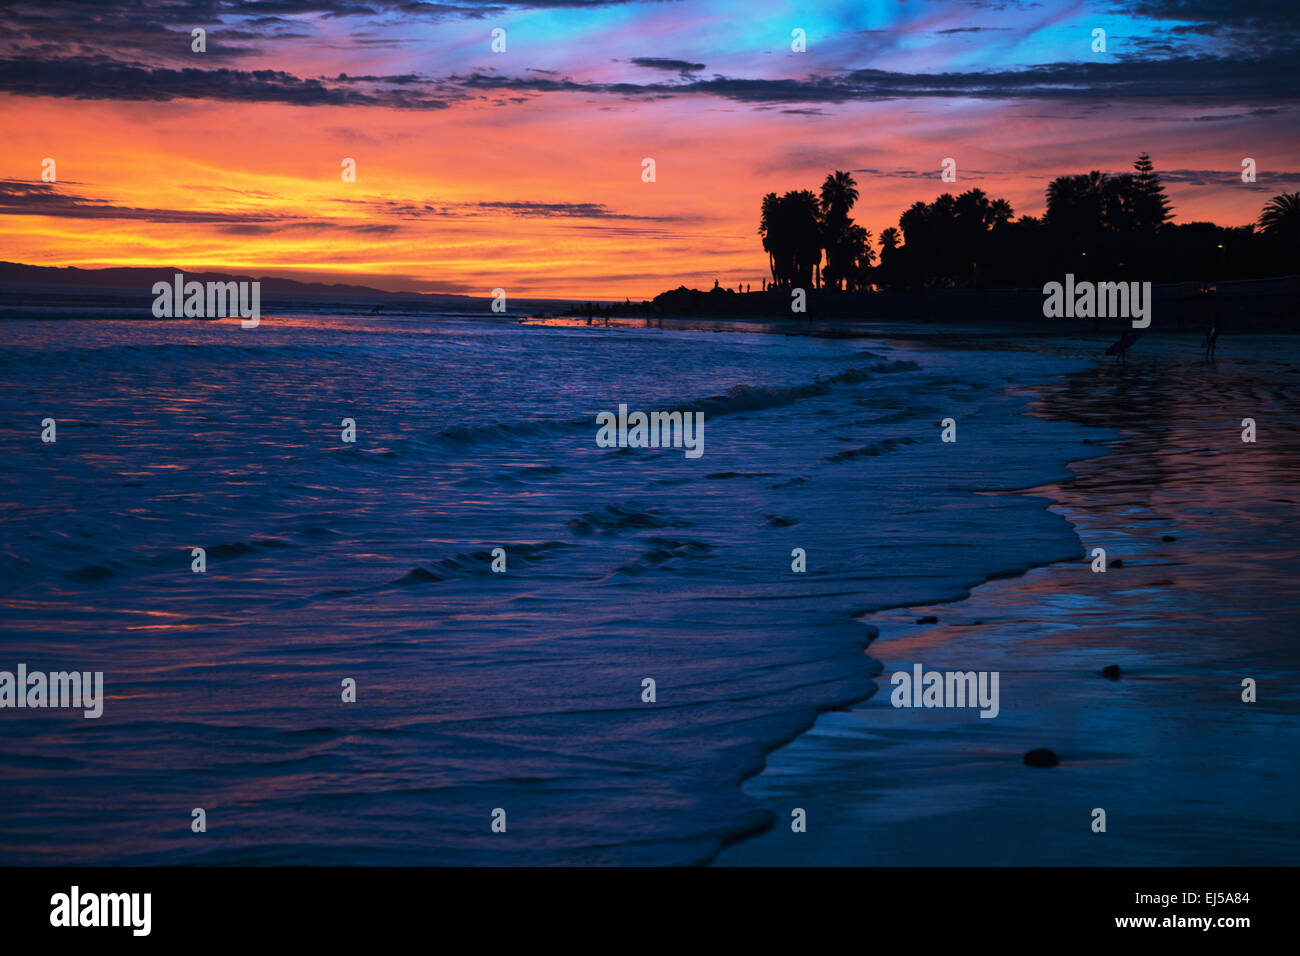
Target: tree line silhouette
x=798 y=226
x=1096 y=225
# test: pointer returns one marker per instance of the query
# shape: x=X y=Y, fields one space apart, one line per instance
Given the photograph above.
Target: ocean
x=477 y=691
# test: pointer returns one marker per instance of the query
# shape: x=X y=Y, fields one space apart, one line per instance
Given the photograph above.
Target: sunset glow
x=522 y=169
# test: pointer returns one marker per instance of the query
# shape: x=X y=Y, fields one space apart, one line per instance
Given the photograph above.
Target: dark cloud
x=401 y=79
x=44 y=199
x=18 y=198
x=684 y=67
x=1226 y=12
x=95 y=78
x=22 y=198
x=973 y=175
x=1222 y=177
x=139 y=50
x=407 y=209
x=361 y=228
x=158 y=31
x=1192 y=79
x=1252 y=27
x=547 y=210
x=1220 y=117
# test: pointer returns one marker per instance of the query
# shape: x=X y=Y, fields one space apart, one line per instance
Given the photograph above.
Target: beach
x=1188 y=773
x=752 y=585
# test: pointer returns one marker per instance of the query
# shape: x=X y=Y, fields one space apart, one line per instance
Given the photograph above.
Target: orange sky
x=573 y=218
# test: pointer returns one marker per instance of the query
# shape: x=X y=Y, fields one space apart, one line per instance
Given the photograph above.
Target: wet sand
x=1205 y=527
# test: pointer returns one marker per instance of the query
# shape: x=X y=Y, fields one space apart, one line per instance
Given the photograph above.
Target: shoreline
x=1271 y=304
x=942 y=787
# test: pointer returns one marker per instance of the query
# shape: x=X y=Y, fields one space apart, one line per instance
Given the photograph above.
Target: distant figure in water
x=1120 y=348
x=1211 y=340
x=376 y=308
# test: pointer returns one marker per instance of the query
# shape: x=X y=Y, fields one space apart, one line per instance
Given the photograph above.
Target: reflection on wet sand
x=1202 y=545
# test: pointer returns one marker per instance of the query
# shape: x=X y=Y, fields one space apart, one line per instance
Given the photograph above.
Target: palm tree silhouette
x=1281 y=217
x=1000 y=211
x=1076 y=201
x=806 y=231
x=791 y=228
x=767 y=223
x=839 y=193
x=859 y=255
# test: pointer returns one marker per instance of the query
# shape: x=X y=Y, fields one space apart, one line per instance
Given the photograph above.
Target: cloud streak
x=93 y=78
x=1235 y=81
x=20 y=198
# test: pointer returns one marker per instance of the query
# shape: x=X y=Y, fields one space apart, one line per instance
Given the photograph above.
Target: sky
x=523 y=169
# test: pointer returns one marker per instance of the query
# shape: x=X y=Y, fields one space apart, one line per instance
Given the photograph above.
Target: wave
x=629 y=517
x=738 y=398
x=478 y=563
x=871 y=449
x=663 y=552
